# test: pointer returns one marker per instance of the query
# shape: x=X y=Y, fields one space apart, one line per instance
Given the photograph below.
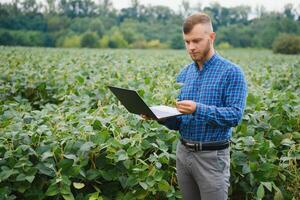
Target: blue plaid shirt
x=220 y=91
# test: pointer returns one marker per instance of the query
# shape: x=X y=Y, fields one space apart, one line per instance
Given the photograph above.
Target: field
x=63 y=135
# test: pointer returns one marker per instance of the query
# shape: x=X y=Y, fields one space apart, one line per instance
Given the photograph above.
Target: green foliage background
x=63 y=135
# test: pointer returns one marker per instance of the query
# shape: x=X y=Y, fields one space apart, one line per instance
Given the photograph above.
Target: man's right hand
x=145 y=117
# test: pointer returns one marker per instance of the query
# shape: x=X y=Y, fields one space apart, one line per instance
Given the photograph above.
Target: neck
x=208 y=56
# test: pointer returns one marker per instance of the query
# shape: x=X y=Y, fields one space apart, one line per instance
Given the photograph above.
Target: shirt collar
x=209 y=62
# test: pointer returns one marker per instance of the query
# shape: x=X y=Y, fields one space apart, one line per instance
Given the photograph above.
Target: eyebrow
x=194 y=39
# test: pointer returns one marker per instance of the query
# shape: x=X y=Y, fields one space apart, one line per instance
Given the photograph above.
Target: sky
x=270 y=5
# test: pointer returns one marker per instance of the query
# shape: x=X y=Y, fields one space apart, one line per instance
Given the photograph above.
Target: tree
x=185 y=9
x=287 y=44
x=6 y=38
x=80 y=24
x=72 y=41
x=104 y=41
x=235 y=35
x=239 y=14
x=157 y=13
x=89 y=39
x=130 y=30
x=50 y=7
x=56 y=23
x=117 y=40
x=260 y=11
x=177 y=42
x=30 y=6
x=78 y=8
x=105 y=8
x=288 y=11
x=97 y=26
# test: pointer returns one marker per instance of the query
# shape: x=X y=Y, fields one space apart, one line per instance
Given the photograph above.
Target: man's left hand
x=186 y=106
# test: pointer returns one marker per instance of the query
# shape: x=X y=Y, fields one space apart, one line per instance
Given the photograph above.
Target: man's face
x=198 y=42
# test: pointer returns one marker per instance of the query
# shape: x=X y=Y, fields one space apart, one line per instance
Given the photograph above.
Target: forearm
x=220 y=116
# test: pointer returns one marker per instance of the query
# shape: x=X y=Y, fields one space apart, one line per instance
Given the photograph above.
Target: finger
x=183 y=103
x=188 y=107
x=179 y=103
x=144 y=117
x=183 y=110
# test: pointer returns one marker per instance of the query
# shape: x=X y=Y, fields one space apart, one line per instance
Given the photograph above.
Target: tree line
x=85 y=23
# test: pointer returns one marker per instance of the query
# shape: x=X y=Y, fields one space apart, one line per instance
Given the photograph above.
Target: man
x=212 y=98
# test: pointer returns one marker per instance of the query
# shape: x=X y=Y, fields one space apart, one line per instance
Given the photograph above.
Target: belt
x=205 y=146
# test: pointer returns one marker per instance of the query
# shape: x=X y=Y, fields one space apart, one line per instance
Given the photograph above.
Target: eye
x=197 y=40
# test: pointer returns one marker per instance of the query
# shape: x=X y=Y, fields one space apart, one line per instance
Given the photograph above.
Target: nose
x=191 y=46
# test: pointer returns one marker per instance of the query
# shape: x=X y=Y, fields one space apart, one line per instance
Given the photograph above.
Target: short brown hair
x=192 y=20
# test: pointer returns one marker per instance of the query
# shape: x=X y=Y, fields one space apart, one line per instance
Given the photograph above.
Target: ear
x=212 y=36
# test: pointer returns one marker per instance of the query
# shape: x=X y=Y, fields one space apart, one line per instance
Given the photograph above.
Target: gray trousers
x=204 y=174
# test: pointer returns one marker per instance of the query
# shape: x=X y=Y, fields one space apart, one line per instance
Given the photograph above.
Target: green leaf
x=68 y=196
x=131 y=181
x=21 y=177
x=141 y=92
x=86 y=146
x=92 y=174
x=282 y=176
x=65 y=189
x=95 y=196
x=46 y=155
x=66 y=181
x=78 y=185
x=127 y=163
x=260 y=191
x=158 y=165
x=70 y=156
x=6 y=174
x=97 y=125
x=249 y=141
x=287 y=142
x=52 y=190
x=132 y=150
x=122 y=155
x=30 y=178
x=268 y=185
x=21 y=187
x=107 y=175
x=123 y=181
x=144 y=185
x=164 y=186
x=150 y=181
x=80 y=79
x=158 y=176
x=296 y=135
x=45 y=170
x=246 y=169
x=278 y=195
x=100 y=137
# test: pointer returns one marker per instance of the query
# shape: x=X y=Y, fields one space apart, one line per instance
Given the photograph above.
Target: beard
x=200 y=57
